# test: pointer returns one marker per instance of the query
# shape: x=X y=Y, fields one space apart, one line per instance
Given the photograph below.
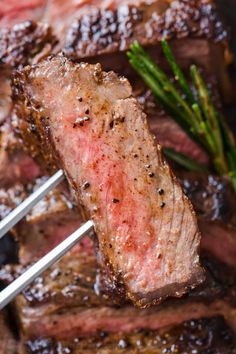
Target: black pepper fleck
x=160 y=191
x=87 y=111
x=80 y=99
x=135 y=155
x=86 y=185
x=162 y=204
x=151 y=174
x=114 y=200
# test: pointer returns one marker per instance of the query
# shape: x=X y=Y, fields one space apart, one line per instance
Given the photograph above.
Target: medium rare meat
x=207 y=335
x=146 y=227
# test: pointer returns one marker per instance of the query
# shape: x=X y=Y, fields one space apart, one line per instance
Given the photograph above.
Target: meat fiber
x=146 y=228
x=67 y=301
x=207 y=335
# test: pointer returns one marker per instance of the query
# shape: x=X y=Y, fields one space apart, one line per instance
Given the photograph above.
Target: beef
x=117 y=177
x=67 y=301
x=15 y=165
x=214 y=202
x=46 y=225
x=207 y=335
x=104 y=33
x=7 y=341
x=168 y=133
x=20 y=45
x=13 y=11
x=25 y=43
x=49 y=223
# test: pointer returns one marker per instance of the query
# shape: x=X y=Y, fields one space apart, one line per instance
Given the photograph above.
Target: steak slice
x=214 y=202
x=52 y=220
x=8 y=343
x=24 y=43
x=13 y=11
x=104 y=33
x=206 y=335
x=67 y=301
x=20 y=45
x=146 y=227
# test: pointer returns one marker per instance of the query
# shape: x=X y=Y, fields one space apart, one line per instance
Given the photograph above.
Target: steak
x=214 y=202
x=15 y=165
x=24 y=43
x=207 y=335
x=13 y=11
x=7 y=341
x=104 y=33
x=121 y=173
x=20 y=45
x=52 y=220
x=67 y=301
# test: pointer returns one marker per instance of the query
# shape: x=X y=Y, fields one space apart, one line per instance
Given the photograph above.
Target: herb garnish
x=192 y=108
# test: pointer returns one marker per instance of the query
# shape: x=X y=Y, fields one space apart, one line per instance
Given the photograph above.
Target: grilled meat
x=210 y=335
x=13 y=11
x=103 y=34
x=123 y=183
x=46 y=225
x=68 y=301
x=20 y=45
x=25 y=43
x=214 y=202
x=8 y=343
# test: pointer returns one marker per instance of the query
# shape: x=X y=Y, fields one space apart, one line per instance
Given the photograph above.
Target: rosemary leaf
x=184 y=161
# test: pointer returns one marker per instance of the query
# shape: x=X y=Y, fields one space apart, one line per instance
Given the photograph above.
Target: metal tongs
x=18 y=285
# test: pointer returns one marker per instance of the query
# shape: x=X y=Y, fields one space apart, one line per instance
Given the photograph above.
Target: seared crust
x=178 y=230
x=203 y=336
x=104 y=31
x=24 y=43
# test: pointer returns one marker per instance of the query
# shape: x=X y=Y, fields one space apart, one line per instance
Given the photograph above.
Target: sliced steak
x=67 y=301
x=104 y=33
x=8 y=344
x=15 y=165
x=13 y=11
x=20 y=45
x=214 y=202
x=52 y=220
x=168 y=133
x=207 y=335
x=25 y=43
x=146 y=227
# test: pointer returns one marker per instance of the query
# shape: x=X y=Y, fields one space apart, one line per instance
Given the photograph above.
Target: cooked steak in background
x=102 y=141
x=14 y=11
x=20 y=45
x=200 y=336
x=46 y=225
x=194 y=27
x=8 y=344
x=69 y=300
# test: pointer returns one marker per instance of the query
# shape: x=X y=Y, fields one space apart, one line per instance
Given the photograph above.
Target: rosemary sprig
x=184 y=160
x=193 y=109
